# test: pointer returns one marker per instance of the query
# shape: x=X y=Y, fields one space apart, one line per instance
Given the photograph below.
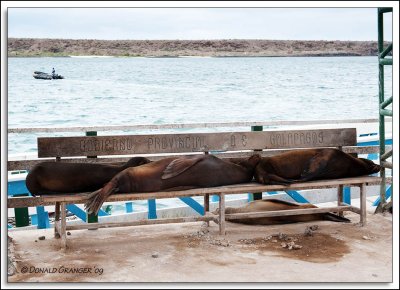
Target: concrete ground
x=191 y=252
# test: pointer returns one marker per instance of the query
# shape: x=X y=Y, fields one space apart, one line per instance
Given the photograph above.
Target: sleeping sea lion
x=311 y=164
x=62 y=177
x=175 y=173
x=276 y=204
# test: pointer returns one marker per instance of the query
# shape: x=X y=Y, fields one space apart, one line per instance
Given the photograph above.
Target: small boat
x=46 y=76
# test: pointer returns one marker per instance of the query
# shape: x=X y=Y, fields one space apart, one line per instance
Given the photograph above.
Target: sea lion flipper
x=179 y=165
x=98 y=197
x=277 y=180
x=280 y=201
x=335 y=218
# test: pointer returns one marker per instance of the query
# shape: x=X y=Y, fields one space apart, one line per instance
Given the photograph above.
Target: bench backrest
x=193 y=142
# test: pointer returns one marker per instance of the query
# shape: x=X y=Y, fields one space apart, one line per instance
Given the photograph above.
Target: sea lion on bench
x=311 y=164
x=276 y=204
x=175 y=173
x=62 y=177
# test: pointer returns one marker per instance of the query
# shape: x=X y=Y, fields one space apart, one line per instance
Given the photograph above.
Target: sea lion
x=311 y=164
x=276 y=204
x=62 y=177
x=175 y=173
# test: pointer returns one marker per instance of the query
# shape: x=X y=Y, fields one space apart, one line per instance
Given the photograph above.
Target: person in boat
x=53 y=73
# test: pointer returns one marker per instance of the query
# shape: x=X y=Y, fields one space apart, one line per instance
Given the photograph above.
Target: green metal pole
x=256 y=195
x=382 y=53
x=21 y=215
x=381 y=116
x=92 y=218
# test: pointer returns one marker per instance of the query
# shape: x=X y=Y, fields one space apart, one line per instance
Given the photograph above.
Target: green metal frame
x=383 y=112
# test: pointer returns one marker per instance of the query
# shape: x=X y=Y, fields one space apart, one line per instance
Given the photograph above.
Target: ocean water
x=126 y=91
x=116 y=91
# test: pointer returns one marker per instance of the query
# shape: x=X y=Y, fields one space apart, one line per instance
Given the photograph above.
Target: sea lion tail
x=335 y=218
x=97 y=198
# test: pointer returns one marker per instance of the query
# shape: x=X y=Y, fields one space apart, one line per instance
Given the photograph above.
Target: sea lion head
x=136 y=161
x=254 y=160
x=251 y=162
x=370 y=166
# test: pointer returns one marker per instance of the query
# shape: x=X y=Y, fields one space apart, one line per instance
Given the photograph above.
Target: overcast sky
x=197 y=23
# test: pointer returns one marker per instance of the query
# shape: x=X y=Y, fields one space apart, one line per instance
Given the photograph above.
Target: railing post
x=256 y=195
x=92 y=218
x=21 y=215
x=152 y=214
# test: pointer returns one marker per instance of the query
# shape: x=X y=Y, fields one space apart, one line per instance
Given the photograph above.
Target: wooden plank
x=141 y=222
x=190 y=125
x=194 y=142
x=57 y=225
x=363 y=205
x=340 y=197
x=63 y=232
x=207 y=206
x=250 y=187
x=221 y=219
x=289 y=212
x=28 y=164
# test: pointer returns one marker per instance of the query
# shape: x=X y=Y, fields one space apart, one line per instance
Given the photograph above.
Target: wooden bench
x=115 y=148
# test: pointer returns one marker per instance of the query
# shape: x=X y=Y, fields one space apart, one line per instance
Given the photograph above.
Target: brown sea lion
x=276 y=204
x=175 y=173
x=62 y=177
x=311 y=164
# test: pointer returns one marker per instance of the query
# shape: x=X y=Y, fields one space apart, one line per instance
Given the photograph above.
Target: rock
x=314 y=227
x=290 y=245
x=274 y=241
x=283 y=245
x=282 y=236
x=225 y=243
x=366 y=238
x=35 y=241
x=42 y=238
x=205 y=231
x=246 y=241
x=267 y=238
x=297 y=247
x=68 y=233
x=154 y=255
x=308 y=232
x=97 y=251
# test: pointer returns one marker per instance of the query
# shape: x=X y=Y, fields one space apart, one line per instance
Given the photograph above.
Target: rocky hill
x=173 y=48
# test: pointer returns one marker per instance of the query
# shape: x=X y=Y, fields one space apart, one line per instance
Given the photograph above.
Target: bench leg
x=363 y=204
x=340 y=198
x=57 y=221
x=222 y=214
x=207 y=206
x=63 y=227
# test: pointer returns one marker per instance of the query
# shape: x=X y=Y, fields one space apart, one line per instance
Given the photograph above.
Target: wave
x=91 y=56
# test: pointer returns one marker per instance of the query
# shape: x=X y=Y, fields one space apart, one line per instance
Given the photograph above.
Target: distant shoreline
x=35 y=47
x=182 y=56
